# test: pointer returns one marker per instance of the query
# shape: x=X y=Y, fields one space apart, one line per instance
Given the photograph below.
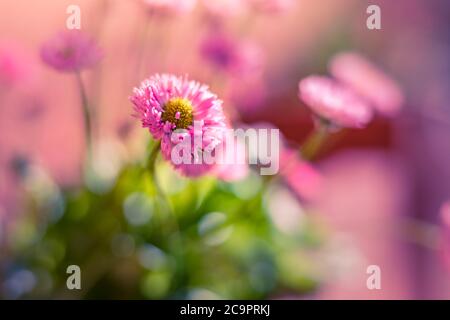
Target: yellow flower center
x=179 y=112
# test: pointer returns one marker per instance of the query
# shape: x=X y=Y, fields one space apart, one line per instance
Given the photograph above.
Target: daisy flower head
x=369 y=81
x=177 y=110
x=70 y=51
x=335 y=102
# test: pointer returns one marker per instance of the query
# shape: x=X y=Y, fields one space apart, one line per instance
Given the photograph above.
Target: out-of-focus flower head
x=272 y=6
x=70 y=51
x=169 y=7
x=335 y=102
x=166 y=102
x=15 y=67
x=369 y=81
x=240 y=59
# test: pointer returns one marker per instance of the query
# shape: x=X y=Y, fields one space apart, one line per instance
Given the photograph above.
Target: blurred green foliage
x=204 y=239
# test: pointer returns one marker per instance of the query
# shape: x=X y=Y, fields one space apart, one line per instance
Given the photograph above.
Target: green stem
x=151 y=161
x=151 y=167
x=86 y=114
x=178 y=250
x=314 y=142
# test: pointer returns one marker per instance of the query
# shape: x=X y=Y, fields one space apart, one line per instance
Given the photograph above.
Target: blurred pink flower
x=301 y=176
x=240 y=59
x=335 y=102
x=70 y=51
x=166 y=102
x=169 y=7
x=15 y=67
x=272 y=6
x=369 y=81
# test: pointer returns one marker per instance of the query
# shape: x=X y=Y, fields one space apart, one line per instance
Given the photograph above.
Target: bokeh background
x=384 y=185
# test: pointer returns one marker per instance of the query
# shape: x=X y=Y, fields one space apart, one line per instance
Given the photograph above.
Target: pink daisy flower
x=166 y=102
x=369 y=81
x=335 y=102
x=169 y=7
x=70 y=51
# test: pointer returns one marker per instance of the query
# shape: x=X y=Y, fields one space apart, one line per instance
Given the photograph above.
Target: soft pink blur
x=334 y=101
x=356 y=71
x=445 y=219
x=70 y=51
x=365 y=199
x=301 y=176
